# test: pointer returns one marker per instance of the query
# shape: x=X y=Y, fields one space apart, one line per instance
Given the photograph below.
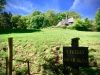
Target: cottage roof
x=71 y=19
x=66 y=21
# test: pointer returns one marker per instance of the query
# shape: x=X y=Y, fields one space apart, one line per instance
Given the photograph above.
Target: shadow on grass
x=7 y=31
x=53 y=67
x=93 y=68
x=90 y=71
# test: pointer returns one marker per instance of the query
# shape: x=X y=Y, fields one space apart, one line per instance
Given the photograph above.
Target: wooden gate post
x=74 y=43
x=10 y=56
x=28 y=67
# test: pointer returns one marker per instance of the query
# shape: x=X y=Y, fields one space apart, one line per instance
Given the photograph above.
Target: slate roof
x=71 y=19
x=66 y=21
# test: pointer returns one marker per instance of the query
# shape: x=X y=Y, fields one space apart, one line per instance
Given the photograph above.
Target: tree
x=38 y=22
x=45 y=23
x=36 y=12
x=97 y=20
x=2 y=4
x=22 y=22
x=50 y=15
x=73 y=14
x=78 y=24
x=60 y=16
x=87 y=24
x=5 y=20
x=14 y=19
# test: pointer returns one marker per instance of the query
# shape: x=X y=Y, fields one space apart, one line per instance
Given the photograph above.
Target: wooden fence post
x=10 y=56
x=28 y=67
x=74 y=43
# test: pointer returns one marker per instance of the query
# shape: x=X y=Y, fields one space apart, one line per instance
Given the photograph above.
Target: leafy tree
x=27 y=18
x=38 y=21
x=78 y=24
x=73 y=14
x=50 y=15
x=60 y=16
x=97 y=20
x=45 y=23
x=5 y=20
x=87 y=25
x=36 y=12
x=14 y=19
x=22 y=22
x=2 y=4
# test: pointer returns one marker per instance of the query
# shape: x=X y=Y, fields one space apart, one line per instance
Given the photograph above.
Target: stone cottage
x=67 y=21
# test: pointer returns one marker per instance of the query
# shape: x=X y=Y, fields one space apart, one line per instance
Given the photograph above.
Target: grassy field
x=43 y=49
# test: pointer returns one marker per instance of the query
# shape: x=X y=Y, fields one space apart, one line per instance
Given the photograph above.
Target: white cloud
x=20 y=5
x=75 y=3
x=85 y=4
x=86 y=7
x=28 y=6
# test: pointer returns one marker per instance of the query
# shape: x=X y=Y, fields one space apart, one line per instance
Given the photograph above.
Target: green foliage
x=82 y=25
x=45 y=23
x=87 y=24
x=22 y=22
x=50 y=15
x=97 y=20
x=38 y=22
x=14 y=19
x=36 y=12
x=73 y=14
x=60 y=16
x=2 y=4
x=5 y=20
x=78 y=24
x=70 y=27
x=63 y=27
x=35 y=20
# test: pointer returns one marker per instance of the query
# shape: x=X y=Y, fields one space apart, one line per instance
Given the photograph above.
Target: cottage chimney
x=66 y=16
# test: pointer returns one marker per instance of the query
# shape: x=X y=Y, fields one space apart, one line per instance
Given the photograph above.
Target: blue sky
x=87 y=8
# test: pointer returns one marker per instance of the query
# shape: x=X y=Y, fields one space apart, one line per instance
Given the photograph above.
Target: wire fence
x=20 y=67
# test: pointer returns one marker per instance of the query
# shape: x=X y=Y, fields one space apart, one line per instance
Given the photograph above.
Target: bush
x=64 y=27
x=82 y=25
x=98 y=28
x=70 y=27
x=78 y=25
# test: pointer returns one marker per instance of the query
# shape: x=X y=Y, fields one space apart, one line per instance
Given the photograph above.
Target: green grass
x=39 y=48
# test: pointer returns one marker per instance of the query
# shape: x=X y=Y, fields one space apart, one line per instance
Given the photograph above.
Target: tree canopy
x=2 y=4
x=37 y=20
x=97 y=20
